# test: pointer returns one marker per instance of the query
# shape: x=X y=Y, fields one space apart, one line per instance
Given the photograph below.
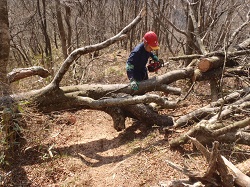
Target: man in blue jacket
x=138 y=58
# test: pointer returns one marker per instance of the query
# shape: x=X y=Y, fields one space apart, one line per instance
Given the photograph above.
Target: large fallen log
x=214 y=62
x=141 y=112
x=52 y=98
x=207 y=64
x=98 y=96
x=226 y=111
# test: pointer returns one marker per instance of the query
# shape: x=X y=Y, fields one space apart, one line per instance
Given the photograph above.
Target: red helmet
x=151 y=39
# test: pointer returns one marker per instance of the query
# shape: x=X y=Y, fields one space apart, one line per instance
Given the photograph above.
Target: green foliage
x=21 y=104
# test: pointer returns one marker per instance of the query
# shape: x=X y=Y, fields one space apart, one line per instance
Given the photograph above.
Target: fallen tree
x=104 y=97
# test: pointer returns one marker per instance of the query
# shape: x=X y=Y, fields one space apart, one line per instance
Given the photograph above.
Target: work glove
x=134 y=84
x=155 y=58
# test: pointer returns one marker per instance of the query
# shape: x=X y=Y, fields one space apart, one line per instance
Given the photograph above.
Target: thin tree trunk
x=61 y=29
x=48 y=50
x=4 y=47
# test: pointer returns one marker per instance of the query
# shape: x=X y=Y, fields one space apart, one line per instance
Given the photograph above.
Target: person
x=138 y=59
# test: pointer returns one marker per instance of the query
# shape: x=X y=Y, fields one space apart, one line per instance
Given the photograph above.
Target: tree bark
x=240 y=178
x=43 y=21
x=148 y=116
x=61 y=29
x=244 y=167
x=208 y=110
x=216 y=174
x=4 y=47
x=244 y=45
x=239 y=137
x=207 y=64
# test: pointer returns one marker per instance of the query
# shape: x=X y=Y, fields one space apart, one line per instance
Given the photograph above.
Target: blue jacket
x=136 y=63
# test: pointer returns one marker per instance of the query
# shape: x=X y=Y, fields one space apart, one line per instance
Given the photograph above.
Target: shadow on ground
x=88 y=152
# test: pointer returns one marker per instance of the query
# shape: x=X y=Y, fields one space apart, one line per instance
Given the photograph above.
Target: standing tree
x=4 y=47
x=7 y=125
x=64 y=36
x=43 y=22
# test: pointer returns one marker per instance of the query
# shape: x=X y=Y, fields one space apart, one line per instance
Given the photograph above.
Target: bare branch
x=84 y=50
x=169 y=22
x=235 y=107
x=196 y=30
x=21 y=73
x=215 y=53
x=236 y=32
x=241 y=179
x=235 y=126
x=122 y=101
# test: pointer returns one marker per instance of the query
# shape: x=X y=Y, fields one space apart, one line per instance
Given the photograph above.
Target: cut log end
x=204 y=65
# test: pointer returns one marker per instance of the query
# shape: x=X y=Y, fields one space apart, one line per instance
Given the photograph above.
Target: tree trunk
x=48 y=50
x=214 y=62
x=9 y=131
x=4 y=47
x=209 y=110
x=61 y=29
x=207 y=64
x=69 y=28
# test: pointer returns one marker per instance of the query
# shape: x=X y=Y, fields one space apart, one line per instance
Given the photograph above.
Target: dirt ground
x=89 y=152
x=81 y=148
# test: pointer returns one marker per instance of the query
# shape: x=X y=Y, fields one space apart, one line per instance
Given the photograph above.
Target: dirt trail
x=91 y=153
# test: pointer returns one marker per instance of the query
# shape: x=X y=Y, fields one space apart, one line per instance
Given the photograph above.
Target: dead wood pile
x=219 y=172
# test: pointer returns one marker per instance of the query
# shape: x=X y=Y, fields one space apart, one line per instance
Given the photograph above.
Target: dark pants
x=140 y=75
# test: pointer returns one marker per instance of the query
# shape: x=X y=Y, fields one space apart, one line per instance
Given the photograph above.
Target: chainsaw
x=154 y=66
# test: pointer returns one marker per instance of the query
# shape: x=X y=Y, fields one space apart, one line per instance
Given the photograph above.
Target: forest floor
x=81 y=148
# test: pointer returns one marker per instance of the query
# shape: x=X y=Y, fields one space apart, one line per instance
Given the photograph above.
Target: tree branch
x=215 y=53
x=236 y=32
x=84 y=50
x=123 y=101
x=21 y=73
